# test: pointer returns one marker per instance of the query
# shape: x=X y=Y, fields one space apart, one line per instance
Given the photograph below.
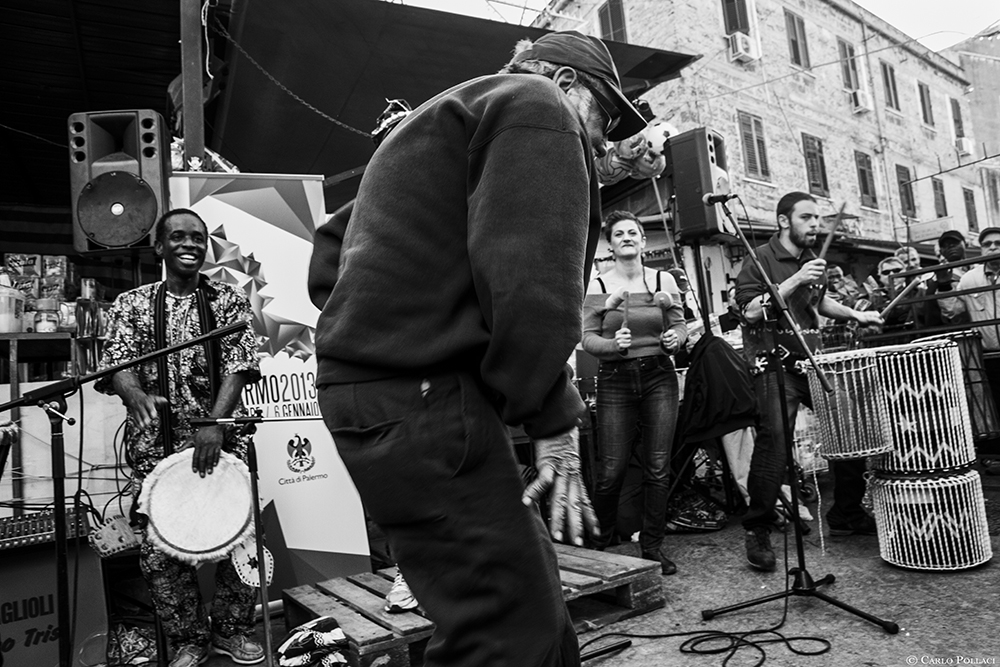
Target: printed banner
x=261 y=229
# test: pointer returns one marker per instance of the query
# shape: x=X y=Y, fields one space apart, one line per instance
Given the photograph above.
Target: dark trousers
x=636 y=411
x=435 y=469
x=769 y=464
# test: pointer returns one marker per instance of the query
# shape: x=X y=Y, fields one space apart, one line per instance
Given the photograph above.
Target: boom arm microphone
x=711 y=199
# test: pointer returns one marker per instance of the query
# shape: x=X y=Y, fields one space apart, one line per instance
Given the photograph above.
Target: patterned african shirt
x=130 y=335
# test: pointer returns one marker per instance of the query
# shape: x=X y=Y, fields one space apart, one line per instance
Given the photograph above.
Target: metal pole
x=193 y=110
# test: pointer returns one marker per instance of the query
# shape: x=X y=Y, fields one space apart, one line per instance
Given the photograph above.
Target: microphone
x=711 y=199
x=665 y=302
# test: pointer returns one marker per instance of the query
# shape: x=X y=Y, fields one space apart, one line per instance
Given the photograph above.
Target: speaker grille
x=114 y=209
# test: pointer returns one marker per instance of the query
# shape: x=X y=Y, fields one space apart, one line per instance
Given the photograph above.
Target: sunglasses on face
x=890 y=272
x=990 y=244
x=607 y=106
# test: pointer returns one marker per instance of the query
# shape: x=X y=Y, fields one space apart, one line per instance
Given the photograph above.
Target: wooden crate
x=599 y=588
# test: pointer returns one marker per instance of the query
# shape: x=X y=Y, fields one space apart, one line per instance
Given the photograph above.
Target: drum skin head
x=196 y=519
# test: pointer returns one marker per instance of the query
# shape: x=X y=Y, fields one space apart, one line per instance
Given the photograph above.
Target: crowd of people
x=876 y=291
x=453 y=290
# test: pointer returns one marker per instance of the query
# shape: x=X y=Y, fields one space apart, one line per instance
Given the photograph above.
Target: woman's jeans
x=637 y=402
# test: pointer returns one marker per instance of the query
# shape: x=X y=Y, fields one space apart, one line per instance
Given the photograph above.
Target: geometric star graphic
x=226 y=263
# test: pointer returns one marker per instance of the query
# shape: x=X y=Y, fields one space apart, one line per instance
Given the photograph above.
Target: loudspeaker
x=696 y=165
x=119 y=165
x=28 y=612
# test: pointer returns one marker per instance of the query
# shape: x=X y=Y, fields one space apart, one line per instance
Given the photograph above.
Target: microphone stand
x=803 y=583
x=52 y=399
x=251 y=424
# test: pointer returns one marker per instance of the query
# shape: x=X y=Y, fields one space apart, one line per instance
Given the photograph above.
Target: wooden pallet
x=599 y=588
x=602 y=587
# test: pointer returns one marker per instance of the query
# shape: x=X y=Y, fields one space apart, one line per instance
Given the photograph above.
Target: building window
x=866 y=179
x=815 y=165
x=798 y=50
x=889 y=85
x=848 y=65
x=736 y=16
x=906 y=201
x=926 y=109
x=612 y=17
x=970 y=209
x=754 y=151
x=956 y=118
x=940 y=205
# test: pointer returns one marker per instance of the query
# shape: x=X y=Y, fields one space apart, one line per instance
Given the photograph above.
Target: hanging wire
x=208 y=44
x=797 y=72
x=222 y=31
x=33 y=136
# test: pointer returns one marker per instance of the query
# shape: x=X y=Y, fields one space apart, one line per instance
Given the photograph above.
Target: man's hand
x=144 y=408
x=207 y=445
x=811 y=273
x=557 y=460
x=868 y=317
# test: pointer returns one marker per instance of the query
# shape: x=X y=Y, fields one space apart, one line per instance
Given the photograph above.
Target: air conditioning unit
x=964 y=145
x=861 y=101
x=741 y=48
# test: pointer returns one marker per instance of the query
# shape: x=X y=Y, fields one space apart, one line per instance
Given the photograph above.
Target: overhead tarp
x=345 y=58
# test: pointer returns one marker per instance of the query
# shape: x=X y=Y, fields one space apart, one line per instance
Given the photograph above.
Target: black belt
x=642 y=363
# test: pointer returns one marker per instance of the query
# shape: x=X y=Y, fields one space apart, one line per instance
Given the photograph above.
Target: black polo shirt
x=779 y=265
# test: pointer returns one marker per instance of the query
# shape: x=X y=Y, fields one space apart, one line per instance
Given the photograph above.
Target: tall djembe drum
x=929 y=507
x=983 y=415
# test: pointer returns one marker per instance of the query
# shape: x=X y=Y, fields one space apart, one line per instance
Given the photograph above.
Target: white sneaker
x=400 y=599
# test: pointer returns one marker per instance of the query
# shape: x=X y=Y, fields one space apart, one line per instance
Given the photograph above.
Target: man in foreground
x=457 y=301
x=789 y=262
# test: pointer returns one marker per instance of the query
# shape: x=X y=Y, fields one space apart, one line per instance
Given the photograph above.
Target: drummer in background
x=982 y=306
x=192 y=388
x=790 y=263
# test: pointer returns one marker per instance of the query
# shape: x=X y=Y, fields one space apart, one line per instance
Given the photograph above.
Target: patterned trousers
x=173 y=586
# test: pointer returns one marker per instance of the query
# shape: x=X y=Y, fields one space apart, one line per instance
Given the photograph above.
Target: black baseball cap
x=988 y=230
x=953 y=235
x=590 y=55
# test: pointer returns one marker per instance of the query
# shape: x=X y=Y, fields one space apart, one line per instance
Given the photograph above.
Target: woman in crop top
x=634 y=329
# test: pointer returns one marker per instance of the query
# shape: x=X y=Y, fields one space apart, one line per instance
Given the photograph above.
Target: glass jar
x=46 y=316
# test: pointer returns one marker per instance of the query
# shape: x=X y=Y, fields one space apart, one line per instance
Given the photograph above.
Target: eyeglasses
x=890 y=272
x=607 y=106
x=990 y=244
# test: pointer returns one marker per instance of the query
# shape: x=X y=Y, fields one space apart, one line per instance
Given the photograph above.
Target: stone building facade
x=980 y=59
x=814 y=95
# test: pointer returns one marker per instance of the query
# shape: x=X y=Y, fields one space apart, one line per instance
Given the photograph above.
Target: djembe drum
x=197 y=519
x=929 y=507
x=853 y=419
x=934 y=523
x=983 y=416
x=928 y=412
